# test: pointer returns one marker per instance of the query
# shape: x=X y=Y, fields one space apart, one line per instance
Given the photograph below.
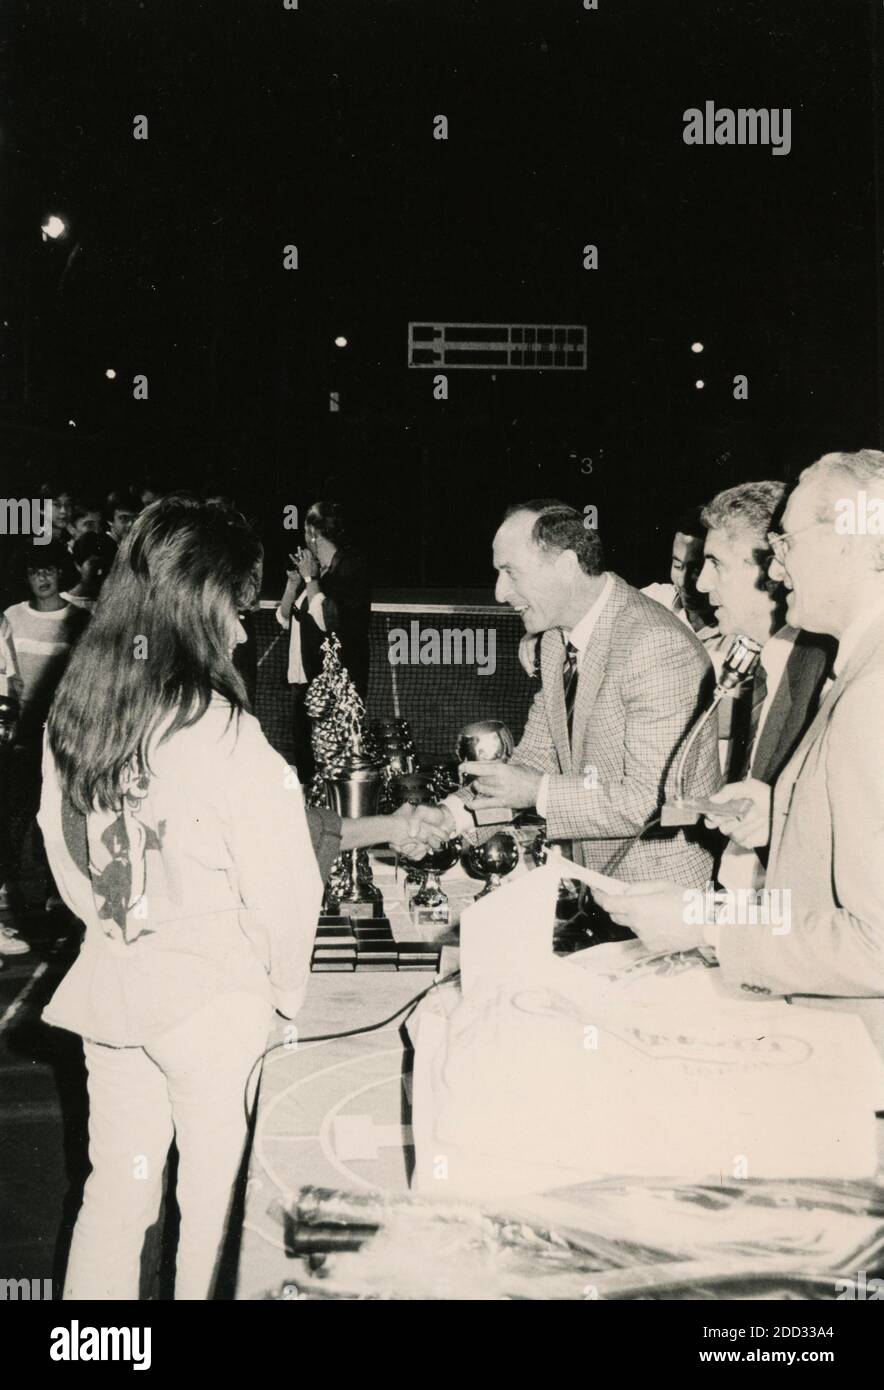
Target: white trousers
x=190 y=1084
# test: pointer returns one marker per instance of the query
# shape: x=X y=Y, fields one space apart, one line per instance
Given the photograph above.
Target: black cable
x=409 y=1005
x=621 y=854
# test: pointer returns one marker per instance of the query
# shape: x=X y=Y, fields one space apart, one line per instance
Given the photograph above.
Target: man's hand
x=752 y=829
x=502 y=784
x=656 y=912
x=415 y=829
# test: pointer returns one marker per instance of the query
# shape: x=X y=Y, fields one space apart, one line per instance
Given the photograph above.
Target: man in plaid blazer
x=623 y=682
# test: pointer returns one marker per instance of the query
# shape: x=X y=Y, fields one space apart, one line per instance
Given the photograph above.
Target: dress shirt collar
x=776 y=652
x=851 y=635
x=582 y=631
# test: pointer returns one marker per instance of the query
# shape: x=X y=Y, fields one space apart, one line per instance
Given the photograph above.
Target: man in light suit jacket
x=825 y=821
x=623 y=681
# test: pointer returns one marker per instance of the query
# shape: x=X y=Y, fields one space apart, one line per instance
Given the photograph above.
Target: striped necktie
x=570 y=677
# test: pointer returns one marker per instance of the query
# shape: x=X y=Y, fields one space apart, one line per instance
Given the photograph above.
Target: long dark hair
x=157 y=645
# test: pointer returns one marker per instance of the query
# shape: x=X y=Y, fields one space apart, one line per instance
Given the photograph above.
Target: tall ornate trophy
x=486 y=741
x=353 y=792
x=347 y=780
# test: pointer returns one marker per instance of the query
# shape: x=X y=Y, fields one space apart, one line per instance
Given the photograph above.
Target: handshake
x=415 y=830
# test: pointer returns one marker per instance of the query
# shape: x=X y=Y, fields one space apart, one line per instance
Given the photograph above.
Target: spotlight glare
x=73 y=424
x=699 y=385
x=53 y=228
x=696 y=347
x=110 y=374
x=340 y=341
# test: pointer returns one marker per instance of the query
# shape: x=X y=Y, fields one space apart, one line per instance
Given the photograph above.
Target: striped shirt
x=42 y=642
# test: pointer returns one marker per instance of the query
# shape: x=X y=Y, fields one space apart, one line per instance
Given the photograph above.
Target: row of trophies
x=363 y=773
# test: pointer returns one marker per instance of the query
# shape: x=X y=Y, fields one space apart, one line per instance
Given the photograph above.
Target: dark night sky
x=314 y=126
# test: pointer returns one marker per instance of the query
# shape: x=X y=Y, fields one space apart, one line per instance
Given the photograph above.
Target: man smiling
x=824 y=821
x=623 y=681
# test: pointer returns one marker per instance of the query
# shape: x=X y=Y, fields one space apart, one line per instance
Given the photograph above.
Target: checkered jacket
x=644 y=679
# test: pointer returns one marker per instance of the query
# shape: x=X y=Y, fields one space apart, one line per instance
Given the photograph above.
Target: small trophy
x=414 y=788
x=492 y=860
x=353 y=792
x=486 y=741
x=429 y=904
x=9 y=712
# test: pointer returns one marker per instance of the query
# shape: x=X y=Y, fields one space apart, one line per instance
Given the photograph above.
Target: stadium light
x=53 y=228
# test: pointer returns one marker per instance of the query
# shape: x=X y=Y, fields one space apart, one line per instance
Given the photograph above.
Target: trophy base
x=492 y=815
x=359 y=911
x=333 y=919
x=429 y=915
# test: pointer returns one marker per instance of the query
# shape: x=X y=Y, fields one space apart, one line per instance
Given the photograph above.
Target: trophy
x=9 y=711
x=486 y=741
x=429 y=903
x=492 y=860
x=352 y=792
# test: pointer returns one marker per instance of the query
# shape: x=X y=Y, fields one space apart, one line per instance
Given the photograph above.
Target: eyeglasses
x=779 y=540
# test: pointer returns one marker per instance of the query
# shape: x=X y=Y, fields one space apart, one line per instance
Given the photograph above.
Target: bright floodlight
x=340 y=342
x=696 y=347
x=53 y=228
x=73 y=424
x=110 y=374
x=699 y=385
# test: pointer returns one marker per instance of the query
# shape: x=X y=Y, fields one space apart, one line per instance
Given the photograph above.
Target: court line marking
x=22 y=995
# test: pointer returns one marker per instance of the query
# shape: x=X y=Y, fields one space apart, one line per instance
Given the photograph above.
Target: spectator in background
x=86 y=517
x=123 y=506
x=327 y=591
x=44 y=627
x=150 y=491
x=681 y=595
x=93 y=556
x=11 y=944
x=62 y=510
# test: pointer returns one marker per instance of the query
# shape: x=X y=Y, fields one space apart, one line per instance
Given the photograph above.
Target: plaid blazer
x=644 y=680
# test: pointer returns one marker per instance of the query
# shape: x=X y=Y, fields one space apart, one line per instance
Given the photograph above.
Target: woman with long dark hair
x=178 y=836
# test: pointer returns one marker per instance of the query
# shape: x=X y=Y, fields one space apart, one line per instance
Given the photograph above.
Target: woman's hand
x=306 y=564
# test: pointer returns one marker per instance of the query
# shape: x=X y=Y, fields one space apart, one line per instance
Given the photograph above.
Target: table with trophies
x=334 y=1105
